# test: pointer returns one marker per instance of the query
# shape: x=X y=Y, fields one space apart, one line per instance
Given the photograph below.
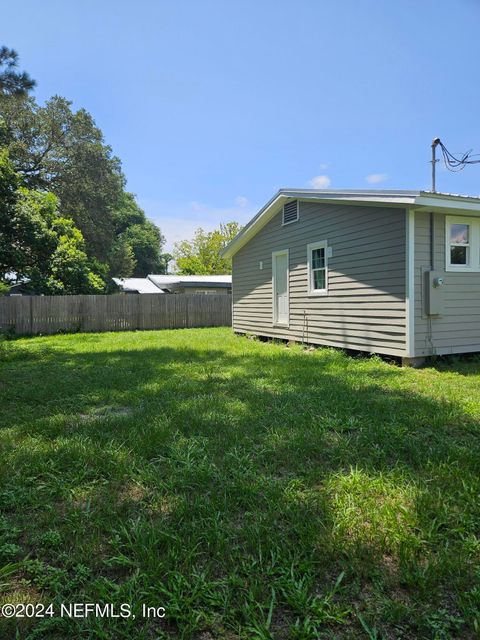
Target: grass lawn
x=253 y=490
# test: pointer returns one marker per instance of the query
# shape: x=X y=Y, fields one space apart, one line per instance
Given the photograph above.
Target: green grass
x=253 y=490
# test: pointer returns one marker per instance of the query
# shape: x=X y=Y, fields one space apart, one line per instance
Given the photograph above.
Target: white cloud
x=196 y=206
x=241 y=201
x=376 y=178
x=320 y=182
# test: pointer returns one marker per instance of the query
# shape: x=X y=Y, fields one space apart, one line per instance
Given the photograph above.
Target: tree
x=13 y=82
x=68 y=270
x=127 y=213
x=143 y=236
x=62 y=151
x=24 y=234
x=122 y=259
x=146 y=241
x=58 y=150
x=202 y=255
x=9 y=183
x=37 y=244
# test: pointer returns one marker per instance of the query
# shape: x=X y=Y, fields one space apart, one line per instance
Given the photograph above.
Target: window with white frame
x=462 y=244
x=317 y=261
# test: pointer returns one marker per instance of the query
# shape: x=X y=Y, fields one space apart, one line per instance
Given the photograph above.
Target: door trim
x=275 y=323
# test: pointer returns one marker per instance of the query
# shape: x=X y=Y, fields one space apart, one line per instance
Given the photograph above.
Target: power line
x=452 y=161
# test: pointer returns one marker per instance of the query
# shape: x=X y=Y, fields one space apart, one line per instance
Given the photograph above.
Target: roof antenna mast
x=435 y=143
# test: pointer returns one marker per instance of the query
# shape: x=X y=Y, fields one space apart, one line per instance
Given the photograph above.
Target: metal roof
x=139 y=285
x=159 y=283
x=390 y=197
x=175 y=281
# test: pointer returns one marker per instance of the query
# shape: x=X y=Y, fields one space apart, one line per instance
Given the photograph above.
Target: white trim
x=473 y=245
x=440 y=202
x=447 y=202
x=321 y=244
x=284 y=224
x=410 y=284
x=275 y=322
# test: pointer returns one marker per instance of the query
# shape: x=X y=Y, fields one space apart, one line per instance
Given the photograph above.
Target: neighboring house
x=17 y=286
x=176 y=284
x=193 y=284
x=390 y=272
x=136 y=285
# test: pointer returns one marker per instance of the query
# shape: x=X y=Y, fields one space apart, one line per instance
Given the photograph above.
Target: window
x=290 y=212
x=459 y=244
x=462 y=244
x=317 y=260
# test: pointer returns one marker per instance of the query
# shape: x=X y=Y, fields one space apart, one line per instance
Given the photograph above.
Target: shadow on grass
x=204 y=478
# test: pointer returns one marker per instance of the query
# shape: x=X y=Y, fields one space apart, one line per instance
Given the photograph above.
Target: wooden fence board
x=35 y=315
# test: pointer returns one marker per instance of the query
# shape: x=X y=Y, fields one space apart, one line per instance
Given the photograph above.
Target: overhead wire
x=454 y=163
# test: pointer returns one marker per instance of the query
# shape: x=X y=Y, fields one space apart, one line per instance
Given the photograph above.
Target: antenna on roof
x=451 y=162
x=435 y=143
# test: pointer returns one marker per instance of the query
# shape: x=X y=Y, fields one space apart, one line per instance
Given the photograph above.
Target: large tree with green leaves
x=56 y=149
x=143 y=237
x=146 y=242
x=39 y=245
x=202 y=255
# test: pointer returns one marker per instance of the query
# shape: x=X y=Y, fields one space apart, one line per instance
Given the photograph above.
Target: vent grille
x=290 y=212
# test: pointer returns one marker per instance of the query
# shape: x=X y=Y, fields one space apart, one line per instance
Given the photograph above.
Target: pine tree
x=13 y=82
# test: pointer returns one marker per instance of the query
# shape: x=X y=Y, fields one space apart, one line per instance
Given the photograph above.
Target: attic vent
x=290 y=212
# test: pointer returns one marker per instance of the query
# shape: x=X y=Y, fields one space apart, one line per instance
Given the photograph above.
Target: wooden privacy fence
x=51 y=314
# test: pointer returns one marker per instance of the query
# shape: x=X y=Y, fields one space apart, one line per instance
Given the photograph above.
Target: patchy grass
x=253 y=490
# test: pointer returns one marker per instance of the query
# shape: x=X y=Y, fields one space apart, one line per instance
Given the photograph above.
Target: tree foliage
x=202 y=255
x=122 y=259
x=12 y=81
x=56 y=149
x=39 y=245
x=127 y=213
x=146 y=241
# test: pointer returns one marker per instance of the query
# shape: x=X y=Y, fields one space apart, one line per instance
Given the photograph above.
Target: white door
x=280 y=287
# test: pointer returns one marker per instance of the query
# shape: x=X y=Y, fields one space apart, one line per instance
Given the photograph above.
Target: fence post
x=31 y=315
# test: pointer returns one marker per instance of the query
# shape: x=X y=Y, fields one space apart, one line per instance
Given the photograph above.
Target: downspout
x=432 y=241
x=424 y=283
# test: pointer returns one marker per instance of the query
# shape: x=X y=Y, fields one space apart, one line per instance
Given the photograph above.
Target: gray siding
x=457 y=330
x=365 y=306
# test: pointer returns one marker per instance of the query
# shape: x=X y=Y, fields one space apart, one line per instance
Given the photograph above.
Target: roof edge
x=397 y=197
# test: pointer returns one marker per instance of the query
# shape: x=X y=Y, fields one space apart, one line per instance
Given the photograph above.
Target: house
x=136 y=285
x=193 y=284
x=390 y=272
x=176 y=284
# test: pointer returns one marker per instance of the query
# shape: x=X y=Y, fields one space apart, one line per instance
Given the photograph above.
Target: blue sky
x=212 y=105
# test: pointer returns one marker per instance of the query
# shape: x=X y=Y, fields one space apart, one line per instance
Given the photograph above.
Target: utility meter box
x=433 y=287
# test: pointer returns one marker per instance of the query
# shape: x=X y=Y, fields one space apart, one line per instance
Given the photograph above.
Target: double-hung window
x=317 y=262
x=462 y=244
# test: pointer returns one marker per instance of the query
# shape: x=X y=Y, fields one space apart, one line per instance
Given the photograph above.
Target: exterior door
x=280 y=287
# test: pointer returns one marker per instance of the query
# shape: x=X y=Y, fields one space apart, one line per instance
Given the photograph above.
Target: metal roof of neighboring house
x=165 y=282
x=159 y=283
x=397 y=198
x=139 y=285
